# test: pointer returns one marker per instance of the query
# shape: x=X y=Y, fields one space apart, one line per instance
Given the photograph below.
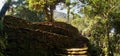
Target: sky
x=58 y=8
x=64 y=10
x=1 y=3
x=74 y=9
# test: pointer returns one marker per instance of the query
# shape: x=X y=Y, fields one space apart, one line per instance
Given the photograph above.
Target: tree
x=19 y=8
x=100 y=17
x=47 y=6
x=68 y=9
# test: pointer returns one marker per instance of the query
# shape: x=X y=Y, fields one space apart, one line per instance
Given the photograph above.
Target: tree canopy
x=44 y=5
x=100 y=17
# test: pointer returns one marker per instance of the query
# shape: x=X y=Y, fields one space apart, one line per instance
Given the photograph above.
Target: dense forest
x=54 y=27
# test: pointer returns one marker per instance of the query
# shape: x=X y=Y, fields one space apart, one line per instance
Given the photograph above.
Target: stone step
x=75 y=52
x=77 y=49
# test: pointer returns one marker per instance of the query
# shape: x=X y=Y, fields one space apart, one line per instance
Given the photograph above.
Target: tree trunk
x=51 y=13
x=46 y=14
x=68 y=16
x=109 y=51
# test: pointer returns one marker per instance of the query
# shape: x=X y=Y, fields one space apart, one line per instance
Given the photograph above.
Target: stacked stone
x=44 y=38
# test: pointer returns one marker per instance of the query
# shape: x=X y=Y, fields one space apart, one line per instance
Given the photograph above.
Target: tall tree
x=68 y=9
x=100 y=17
x=47 y=6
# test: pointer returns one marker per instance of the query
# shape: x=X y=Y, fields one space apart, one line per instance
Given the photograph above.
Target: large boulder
x=39 y=39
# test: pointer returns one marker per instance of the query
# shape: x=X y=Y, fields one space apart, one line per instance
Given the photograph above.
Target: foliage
x=44 y=5
x=20 y=9
x=61 y=20
x=25 y=13
x=100 y=17
x=39 y=5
